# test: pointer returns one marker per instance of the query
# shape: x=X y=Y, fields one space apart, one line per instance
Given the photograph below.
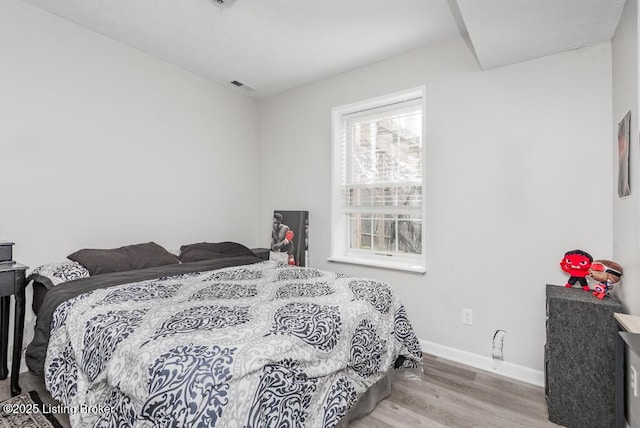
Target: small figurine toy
x=577 y=263
x=607 y=273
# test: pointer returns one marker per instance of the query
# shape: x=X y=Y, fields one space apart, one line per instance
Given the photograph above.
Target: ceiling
x=510 y=31
x=275 y=45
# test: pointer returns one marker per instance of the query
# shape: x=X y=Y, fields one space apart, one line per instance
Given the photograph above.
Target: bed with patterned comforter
x=253 y=345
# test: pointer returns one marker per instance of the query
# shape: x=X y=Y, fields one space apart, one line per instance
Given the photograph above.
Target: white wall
x=519 y=164
x=626 y=212
x=102 y=145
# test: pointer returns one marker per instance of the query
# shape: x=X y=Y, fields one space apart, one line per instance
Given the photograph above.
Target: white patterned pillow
x=53 y=274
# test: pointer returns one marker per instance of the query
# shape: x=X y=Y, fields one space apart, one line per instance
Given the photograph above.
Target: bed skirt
x=365 y=405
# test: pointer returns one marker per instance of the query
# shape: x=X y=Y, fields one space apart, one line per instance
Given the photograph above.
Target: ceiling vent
x=242 y=86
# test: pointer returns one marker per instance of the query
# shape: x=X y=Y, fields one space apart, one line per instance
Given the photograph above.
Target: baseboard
x=503 y=368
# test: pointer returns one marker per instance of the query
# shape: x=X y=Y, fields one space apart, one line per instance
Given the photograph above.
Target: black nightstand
x=12 y=282
x=262 y=253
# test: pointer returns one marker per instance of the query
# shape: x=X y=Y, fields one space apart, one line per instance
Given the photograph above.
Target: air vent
x=245 y=88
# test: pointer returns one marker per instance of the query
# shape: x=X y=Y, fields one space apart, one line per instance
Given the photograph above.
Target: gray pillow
x=130 y=257
x=212 y=250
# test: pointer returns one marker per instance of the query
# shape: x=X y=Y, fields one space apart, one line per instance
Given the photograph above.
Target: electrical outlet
x=467 y=316
x=634 y=381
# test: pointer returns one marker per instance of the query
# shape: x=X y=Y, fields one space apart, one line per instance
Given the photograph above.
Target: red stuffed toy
x=577 y=263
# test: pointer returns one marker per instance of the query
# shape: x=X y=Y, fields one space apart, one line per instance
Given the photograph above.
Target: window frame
x=340 y=251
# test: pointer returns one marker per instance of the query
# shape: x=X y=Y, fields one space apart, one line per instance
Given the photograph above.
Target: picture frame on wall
x=624 y=138
x=290 y=237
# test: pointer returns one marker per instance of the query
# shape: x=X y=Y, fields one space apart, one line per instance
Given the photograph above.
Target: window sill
x=415 y=268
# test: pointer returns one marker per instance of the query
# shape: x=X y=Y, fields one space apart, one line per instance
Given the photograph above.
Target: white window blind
x=379 y=157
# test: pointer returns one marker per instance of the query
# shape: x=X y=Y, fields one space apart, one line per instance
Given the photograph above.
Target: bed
x=219 y=339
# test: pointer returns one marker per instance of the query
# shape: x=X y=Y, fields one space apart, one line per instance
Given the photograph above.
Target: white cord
x=498 y=340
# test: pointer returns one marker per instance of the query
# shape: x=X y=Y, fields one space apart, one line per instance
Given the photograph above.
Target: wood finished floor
x=454 y=395
x=448 y=395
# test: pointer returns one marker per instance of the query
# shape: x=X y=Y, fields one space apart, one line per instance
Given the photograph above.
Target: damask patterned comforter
x=258 y=345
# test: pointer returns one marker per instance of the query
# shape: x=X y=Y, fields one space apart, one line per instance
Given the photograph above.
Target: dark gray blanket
x=37 y=349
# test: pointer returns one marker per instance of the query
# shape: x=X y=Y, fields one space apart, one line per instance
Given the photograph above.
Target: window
x=378 y=182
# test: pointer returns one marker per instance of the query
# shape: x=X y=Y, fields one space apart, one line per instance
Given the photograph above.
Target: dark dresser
x=12 y=283
x=580 y=358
